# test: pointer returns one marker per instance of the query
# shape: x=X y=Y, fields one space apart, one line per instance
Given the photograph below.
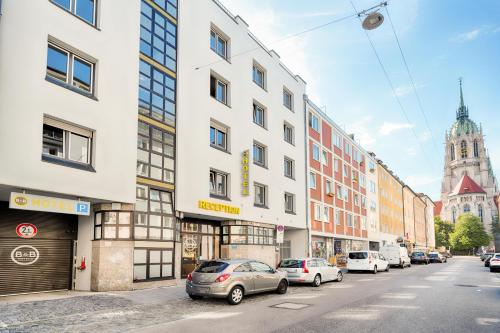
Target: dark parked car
x=419 y=258
x=436 y=257
x=485 y=255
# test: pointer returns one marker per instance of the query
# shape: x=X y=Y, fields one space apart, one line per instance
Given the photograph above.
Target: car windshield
x=291 y=263
x=433 y=255
x=212 y=267
x=417 y=254
x=358 y=255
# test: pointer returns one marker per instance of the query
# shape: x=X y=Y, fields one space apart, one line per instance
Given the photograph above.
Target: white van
x=367 y=261
x=396 y=255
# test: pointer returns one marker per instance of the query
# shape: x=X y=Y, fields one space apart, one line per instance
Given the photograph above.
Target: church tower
x=469 y=184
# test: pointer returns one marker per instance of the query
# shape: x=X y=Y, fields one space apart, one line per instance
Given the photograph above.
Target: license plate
x=201 y=289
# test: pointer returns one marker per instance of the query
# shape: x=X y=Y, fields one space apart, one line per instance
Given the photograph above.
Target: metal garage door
x=30 y=265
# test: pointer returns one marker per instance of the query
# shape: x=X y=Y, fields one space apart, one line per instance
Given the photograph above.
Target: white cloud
x=474 y=34
x=362 y=131
x=388 y=128
x=404 y=90
x=421 y=180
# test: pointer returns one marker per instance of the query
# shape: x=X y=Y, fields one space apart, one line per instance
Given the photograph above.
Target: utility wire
x=392 y=86
x=412 y=81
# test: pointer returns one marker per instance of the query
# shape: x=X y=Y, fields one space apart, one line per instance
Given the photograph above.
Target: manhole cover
x=466 y=285
x=290 y=306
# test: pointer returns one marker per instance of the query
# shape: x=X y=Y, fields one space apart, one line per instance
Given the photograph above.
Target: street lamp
x=373 y=19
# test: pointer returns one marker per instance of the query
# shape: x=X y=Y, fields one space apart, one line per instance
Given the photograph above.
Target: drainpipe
x=306 y=160
x=403 y=201
x=426 y=226
x=414 y=222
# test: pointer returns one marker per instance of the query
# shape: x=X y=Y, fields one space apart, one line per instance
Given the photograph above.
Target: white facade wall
x=25 y=96
x=196 y=108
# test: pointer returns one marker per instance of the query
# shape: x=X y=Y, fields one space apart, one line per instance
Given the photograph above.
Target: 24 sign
x=26 y=230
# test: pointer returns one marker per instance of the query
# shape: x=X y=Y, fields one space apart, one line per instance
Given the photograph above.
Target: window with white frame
x=337 y=217
x=336 y=165
x=68 y=68
x=346 y=173
x=315 y=152
x=356 y=199
x=363 y=223
x=259 y=76
x=317 y=212
x=260 y=191
x=218 y=135
x=259 y=154
x=259 y=115
x=287 y=99
x=349 y=220
x=65 y=142
x=84 y=9
x=312 y=180
x=219 y=184
x=346 y=195
x=328 y=187
x=219 y=89
x=363 y=202
x=362 y=180
x=289 y=167
x=218 y=43
x=324 y=157
x=313 y=122
x=347 y=148
x=289 y=202
x=288 y=133
x=326 y=214
x=354 y=175
x=337 y=140
x=339 y=192
x=372 y=186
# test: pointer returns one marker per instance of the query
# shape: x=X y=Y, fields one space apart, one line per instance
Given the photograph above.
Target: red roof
x=437 y=208
x=467 y=185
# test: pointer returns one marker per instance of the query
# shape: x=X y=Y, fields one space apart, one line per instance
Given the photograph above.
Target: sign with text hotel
x=48 y=204
x=245 y=173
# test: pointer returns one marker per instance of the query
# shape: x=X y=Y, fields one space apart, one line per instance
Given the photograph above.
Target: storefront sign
x=48 y=204
x=245 y=173
x=26 y=230
x=280 y=231
x=218 y=207
x=24 y=255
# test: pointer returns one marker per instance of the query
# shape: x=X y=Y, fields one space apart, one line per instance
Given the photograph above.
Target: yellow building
x=420 y=223
x=391 y=205
x=409 y=216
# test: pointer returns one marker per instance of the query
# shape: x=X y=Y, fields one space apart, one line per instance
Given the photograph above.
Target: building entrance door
x=200 y=241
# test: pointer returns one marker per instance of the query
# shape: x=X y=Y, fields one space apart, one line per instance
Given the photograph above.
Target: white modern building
x=240 y=147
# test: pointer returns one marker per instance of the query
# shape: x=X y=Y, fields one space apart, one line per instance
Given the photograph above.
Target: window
x=312 y=180
x=287 y=99
x=326 y=214
x=84 y=9
x=260 y=195
x=218 y=89
x=354 y=175
x=463 y=149
x=218 y=44
x=112 y=225
x=362 y=180
x=339 y=192
x=259 y=154
x=453 y=214
x=452 y=152
x=347 y=148
x=259 y=76
x=243 y=234
x=218 y=136
x=313 y=122
x=259 y=115
x=317 y=212
x=289 y=166
x=218 y=184
x=466 y=208
x=349 y=220
x=64 y=142
x=69 y=69
x=337 y=217
x=363 y=223
x=156 y=94
x=356 y=200
x=346 y=172
x=480 y=212
x=346 y=195
x=363 y=202
x=288 y=133
x=289 y=203
x=155 y=153
x=324 y=157
x=337 y=141
x=158 y=36
x=170 y=6
x=336 y=165
x=315 y=152
x=154 y=219
x=372 y=186
x=476 y=149
x=328 y=187
x=153 y=263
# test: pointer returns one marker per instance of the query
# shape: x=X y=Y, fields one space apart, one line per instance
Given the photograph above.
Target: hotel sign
x=48 y=204
x=245 y=173
x=218 y=207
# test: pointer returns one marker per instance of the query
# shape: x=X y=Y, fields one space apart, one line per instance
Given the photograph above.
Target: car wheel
x=282 y=287
x=375 y=269
x=387 y=268
x=340 y=276
x=235 y=295
x=195 y=297
x=317 y=281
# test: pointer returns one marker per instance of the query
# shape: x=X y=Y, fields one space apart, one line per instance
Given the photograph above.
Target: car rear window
x=291 y=263
x=212 y=267
x=418 y=254
x=433 y=255
x=358 y=255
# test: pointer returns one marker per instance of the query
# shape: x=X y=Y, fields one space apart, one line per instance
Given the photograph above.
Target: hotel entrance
x=200 y=241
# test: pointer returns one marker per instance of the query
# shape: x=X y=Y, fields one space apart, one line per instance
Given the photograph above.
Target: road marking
x=399 y=296
x=211 y=315
x=389 y=306
x=417 y=287
x=354 y=314
x=340 y=286
x=487 y=321
x=365 y=280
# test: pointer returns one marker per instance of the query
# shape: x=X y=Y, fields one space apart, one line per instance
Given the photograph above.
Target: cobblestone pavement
x=112 y=312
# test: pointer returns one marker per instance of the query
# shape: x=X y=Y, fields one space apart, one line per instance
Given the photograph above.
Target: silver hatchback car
x=233 y=279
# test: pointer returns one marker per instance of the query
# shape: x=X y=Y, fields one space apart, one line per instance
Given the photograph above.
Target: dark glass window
x=259 y=115
x=212 y=267
x=153 y=263
x=57 y=63
x=218 y=44
x=82 y=74
x=64 y=144
x=170 y=6
x=242 y=234
x=84 y=9
x=112 y=225
x=63 y=3
x=218 y=137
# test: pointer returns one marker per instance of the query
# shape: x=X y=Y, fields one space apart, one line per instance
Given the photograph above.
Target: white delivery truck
x=396 y=255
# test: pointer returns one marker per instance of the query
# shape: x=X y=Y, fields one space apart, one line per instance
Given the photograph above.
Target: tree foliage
x=469 y=233
x=442 y=230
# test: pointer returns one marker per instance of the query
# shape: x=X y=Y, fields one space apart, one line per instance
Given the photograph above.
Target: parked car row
x=491 y=260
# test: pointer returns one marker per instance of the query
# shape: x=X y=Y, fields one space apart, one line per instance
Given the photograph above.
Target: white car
x=396 y=255
x=495 y=263
x=310 y=270
x=367 y=261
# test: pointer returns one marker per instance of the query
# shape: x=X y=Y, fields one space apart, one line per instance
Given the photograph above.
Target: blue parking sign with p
x=82 y=208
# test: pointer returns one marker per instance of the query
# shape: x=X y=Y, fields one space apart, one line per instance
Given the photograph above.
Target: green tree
x=442 y=230
x=469 y=233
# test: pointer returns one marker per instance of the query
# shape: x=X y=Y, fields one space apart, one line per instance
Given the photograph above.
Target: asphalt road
x=458 y=296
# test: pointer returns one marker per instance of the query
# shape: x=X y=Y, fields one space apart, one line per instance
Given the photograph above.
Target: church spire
x=463 y=111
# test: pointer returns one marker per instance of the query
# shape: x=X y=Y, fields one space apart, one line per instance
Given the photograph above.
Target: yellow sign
x=218 y=207
x=48 y=204
x=245 y=173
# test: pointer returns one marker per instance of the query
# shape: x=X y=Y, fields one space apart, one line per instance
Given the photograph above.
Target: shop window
x=243 y=234
x=153 y=263
x=112 y=225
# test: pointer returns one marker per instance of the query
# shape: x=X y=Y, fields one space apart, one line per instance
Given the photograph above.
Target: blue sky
x=442 y=41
